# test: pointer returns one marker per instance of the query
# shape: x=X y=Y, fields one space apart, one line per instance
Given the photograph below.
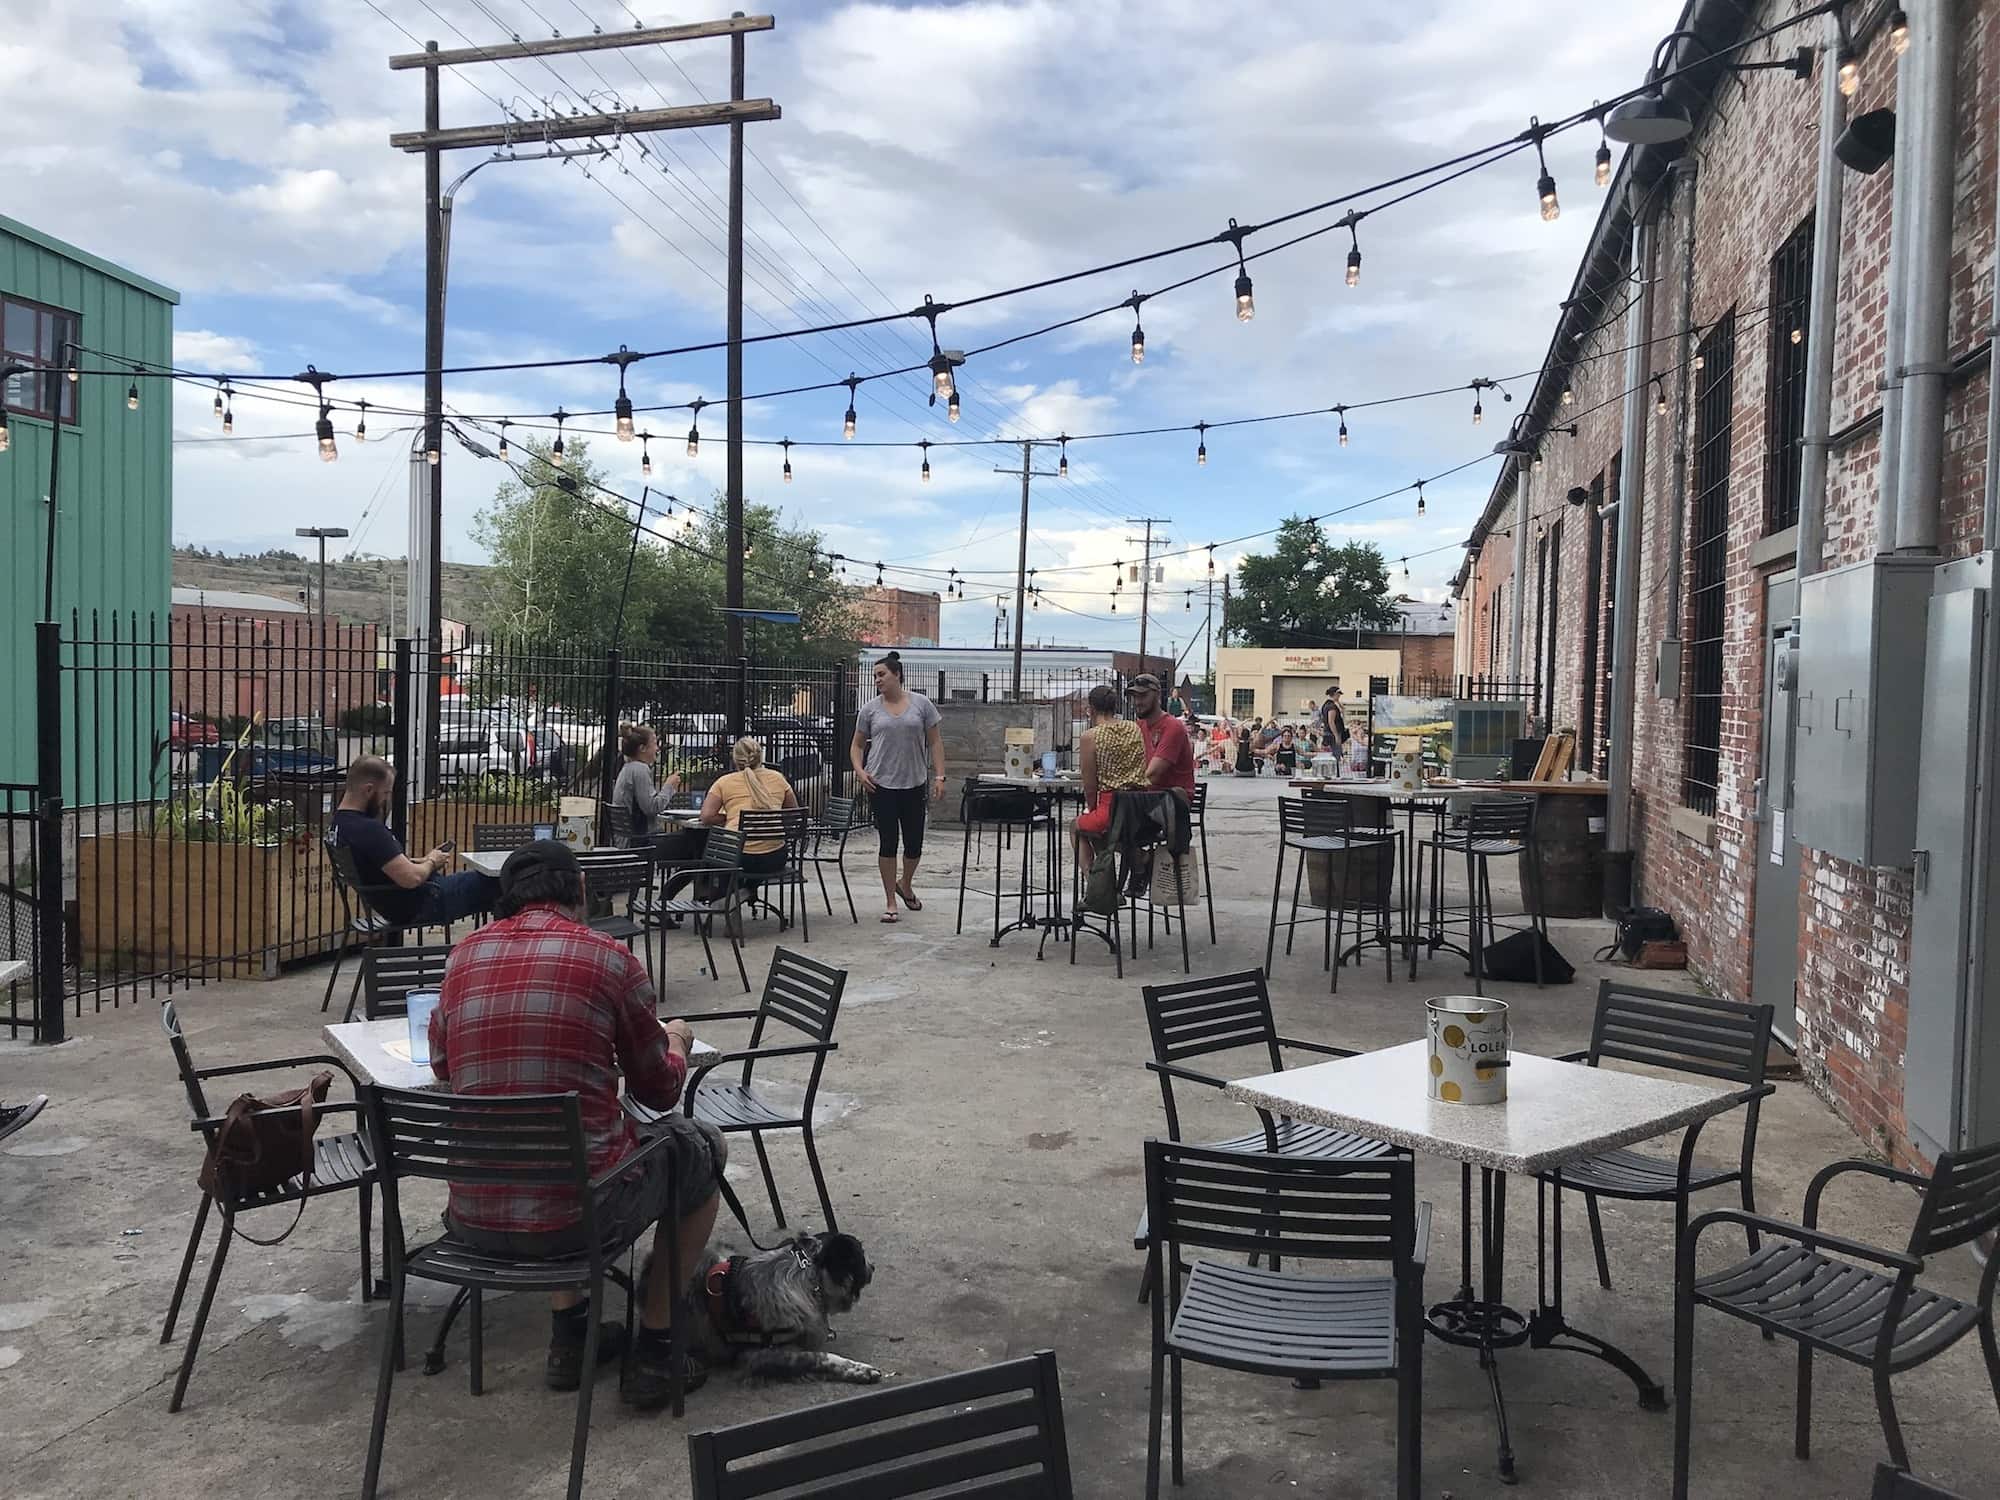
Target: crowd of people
x=1226 y=746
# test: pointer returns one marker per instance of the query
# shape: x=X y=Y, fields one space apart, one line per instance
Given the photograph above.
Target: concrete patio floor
x=982 y=1135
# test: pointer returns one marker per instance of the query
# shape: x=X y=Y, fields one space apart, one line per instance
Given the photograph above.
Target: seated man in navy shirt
x=408 y=891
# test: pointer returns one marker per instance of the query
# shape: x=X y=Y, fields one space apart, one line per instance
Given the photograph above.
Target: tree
x=1307 y=590
x=559 y=545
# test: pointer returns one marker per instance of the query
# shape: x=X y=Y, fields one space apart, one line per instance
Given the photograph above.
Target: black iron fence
x=185 y=775
x=1476 y=688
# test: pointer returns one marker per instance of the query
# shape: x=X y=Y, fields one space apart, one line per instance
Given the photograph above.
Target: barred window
x=1708 y=557
x=1785 y=420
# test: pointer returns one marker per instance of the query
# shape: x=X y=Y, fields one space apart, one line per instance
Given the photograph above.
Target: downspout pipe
x=1927 y=281
x=1990 y=535
x=1522 y=468
x=1688 y=169
x=1822 y=311
x=1625 y=587
x=1895 y=276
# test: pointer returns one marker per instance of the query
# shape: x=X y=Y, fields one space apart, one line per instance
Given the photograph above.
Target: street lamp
x=321 y=534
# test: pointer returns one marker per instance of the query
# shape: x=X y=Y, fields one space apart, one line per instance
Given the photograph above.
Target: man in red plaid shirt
x=537 y=1003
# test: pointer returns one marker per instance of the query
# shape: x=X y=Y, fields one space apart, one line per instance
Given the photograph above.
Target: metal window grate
x=1708 y=555
x=1791 y=287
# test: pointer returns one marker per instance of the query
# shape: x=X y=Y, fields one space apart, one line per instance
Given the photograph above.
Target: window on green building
x=33 y=334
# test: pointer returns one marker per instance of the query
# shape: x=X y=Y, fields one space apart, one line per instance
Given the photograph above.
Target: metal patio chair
x=343 y=1161
x=525 y=1140
x=1308 y=1328
x=361 y=926
x=614 y=880
x=1792 y=1287
x=1198 y=818
x=496 y=838
x=1322 y=827
x=1192 y=1018
x=720 y=872
x=1495 y=828
x=828 y=846
x=389 y=974
x=792 y=827
x=1002 y=1425
x=1689 y=1034
x=799 y=993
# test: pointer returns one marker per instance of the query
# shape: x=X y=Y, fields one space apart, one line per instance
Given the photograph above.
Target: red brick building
x=1694 y=353
x=896 y=617
x=236 y=655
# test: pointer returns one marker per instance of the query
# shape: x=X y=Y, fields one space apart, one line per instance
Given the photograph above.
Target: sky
x=239 y=153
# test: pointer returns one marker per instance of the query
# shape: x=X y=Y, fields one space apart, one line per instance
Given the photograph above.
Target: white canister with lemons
x=1468 y=1037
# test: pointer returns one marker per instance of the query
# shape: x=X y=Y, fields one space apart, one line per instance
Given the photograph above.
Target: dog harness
x=727 y=1313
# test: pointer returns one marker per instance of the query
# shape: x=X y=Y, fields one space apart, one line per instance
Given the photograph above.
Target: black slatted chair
x=613 y=881
x=828 y=846
x=1892 y=1483
x=715 y=881
x=791 y=827
x=1192 y=1018
x=497 y=838
x=360 y=926
x=1130 y=809
x=389 y=974
x=1308 y=1328
x=523 y=1140
x=1834 y=1295
x=1198 y=817
x=803 y=995
x=1314 y=827
x=1495 y=828
x=1689 y=1034
x=343 y=1161
x=996 y=1432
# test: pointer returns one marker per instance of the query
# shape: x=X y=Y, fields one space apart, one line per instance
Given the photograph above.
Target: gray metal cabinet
x=1860 y=704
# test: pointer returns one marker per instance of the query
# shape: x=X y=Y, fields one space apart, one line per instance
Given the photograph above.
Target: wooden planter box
x=158 y=905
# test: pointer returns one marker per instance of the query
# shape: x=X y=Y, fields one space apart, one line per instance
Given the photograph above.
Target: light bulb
x=951 y=407
x=925 y=445
x=1190 y=601
x=503 y=442
x=556 y=452
x=1343 y=432
x=1138 y=345
x=623 y=408
x=1899 y=31
x=1354 y=267
x=1062 y=467
x=1569 y=396
x=1201 y=455
x=431 y=457
x=927 y=471
x=1660 y=390
x=132 y=396
x=1850 y=74
x=645 y=463
x=361 y=424
x=1246 y=305
x=1798 y=335
x=847 y=424
x=941 y=381
x=1603 y=166
x=1478 y=413
x=324 y=430
x=1420 y=499
x=218 y=401
x=1551 y=209
x=1538 y=459
x=787 y=446
x=1114 y=604
x=228 y=420
x=694 y=442
x=1700 y=360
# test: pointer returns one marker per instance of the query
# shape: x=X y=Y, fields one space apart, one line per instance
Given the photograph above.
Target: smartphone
x=450 y=846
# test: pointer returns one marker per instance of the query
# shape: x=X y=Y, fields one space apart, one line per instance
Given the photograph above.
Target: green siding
x=114 y=531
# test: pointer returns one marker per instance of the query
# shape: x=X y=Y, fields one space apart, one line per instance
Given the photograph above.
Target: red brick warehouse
x=1776 y=358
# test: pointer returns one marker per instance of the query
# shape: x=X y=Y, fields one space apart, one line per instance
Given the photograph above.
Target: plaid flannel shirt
x=538 y=1004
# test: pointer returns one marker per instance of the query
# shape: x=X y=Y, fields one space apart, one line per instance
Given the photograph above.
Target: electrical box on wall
x=1860 y=708
x=1667 y=669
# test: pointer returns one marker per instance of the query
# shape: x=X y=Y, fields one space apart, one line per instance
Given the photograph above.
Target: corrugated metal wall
x=115 y=522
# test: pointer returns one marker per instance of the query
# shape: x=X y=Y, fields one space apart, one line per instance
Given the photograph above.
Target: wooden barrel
x=1572 y=854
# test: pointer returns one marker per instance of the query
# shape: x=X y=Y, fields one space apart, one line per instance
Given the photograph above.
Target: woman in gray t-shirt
x=898 y=755
x=634 y=793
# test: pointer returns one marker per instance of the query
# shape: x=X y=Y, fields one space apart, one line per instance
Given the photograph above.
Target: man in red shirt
x=537 y=1003
x=1169 y=754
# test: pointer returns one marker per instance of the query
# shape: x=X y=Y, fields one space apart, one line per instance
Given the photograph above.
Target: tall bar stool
x=1499 y=828
x=1313 y=826
x=1367 y=880
x=1198 y=819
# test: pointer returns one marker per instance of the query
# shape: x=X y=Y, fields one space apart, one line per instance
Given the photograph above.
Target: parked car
x=183 y=731
x=474 y=742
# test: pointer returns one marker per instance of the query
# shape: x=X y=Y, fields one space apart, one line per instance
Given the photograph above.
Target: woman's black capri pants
x=899 y=808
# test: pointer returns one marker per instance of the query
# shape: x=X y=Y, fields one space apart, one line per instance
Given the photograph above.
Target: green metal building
x=114 y=521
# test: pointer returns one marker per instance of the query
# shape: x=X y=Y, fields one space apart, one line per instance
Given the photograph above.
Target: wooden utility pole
x=732 y=580
x=434 y=139
x=1027 y=472
x=1145 y=569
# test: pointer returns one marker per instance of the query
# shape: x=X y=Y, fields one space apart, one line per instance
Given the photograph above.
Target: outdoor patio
x=982 y=1129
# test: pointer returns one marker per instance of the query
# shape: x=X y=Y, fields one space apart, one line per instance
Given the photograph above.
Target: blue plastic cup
x=421 y=1004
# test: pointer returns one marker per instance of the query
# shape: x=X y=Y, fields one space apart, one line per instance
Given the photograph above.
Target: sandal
x=909 y=898
x=892 y=916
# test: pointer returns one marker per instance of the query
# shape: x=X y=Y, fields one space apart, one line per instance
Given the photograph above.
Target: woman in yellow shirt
x=751 y=785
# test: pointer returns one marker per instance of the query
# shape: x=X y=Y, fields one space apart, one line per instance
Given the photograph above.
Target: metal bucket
x=1468 y=1037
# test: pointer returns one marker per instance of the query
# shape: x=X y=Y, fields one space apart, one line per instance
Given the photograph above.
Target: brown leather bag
x=254 y=1152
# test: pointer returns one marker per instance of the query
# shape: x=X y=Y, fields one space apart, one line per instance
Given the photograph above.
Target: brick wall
x=896 y=617
x=223 y=664
x=1756 y=152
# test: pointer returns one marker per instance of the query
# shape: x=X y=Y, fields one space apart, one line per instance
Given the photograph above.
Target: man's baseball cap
x=1145 y=682
x=532 y=859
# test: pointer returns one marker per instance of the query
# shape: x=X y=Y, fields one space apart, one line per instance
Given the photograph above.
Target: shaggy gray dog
x=768 y=1313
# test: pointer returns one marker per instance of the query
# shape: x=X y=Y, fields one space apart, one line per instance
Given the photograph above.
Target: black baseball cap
x=1145 y=682
x=532 y=859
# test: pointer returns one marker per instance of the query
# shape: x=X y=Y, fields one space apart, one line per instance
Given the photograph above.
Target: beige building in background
x=1257 y=682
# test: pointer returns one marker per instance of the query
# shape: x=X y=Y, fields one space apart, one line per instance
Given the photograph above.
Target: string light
x=1569 y=394
x=1850 y=72
x=1700 y=361
x=925 y=445
x=228 y=413
x=323 y=430
x=1406 y=567
x=432 y=456
x=942 y=385
x=1246 y=304
x=556 y=450
x=694 y=431
x=361 y=424
x=218 y=401
x=1478 y=413
x=132 y=391
x=5 y=439
x=74 y=371
x=622 y=408
x=878 y=575
x=1201 y=445
x=1420 y=497
x=1354 y=249
x=1114 y=604
x=1062 y=463
x=645 y=460
x=1545 y=187
x=951 y=408
x=503 y=440
x=853 y=383
x=1211 y=559
x=1188 y=596
x=1899 y=31
x=1660 y=395
x=1798 y=335
x=1603 y=152
x=1341 y=412
x=1138 y=333
x=786 y=444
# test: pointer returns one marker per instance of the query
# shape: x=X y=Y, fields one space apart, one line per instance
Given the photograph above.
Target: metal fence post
x=402 y=738
x=608 y=761
x=51 y=1008
x=843 y=728
x=739 y=711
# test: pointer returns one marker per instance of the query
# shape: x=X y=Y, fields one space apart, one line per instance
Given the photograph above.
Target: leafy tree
x=1308 y=589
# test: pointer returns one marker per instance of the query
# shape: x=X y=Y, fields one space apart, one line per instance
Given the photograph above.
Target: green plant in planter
x=219 y=813
x=501 y=787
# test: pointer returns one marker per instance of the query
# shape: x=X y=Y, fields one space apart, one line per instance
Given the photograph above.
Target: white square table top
x=12 y=969
x=379 y=1052
x=486 y=861
x=1555 y=1112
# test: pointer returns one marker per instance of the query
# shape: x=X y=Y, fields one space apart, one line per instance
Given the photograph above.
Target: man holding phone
x=411 y=892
